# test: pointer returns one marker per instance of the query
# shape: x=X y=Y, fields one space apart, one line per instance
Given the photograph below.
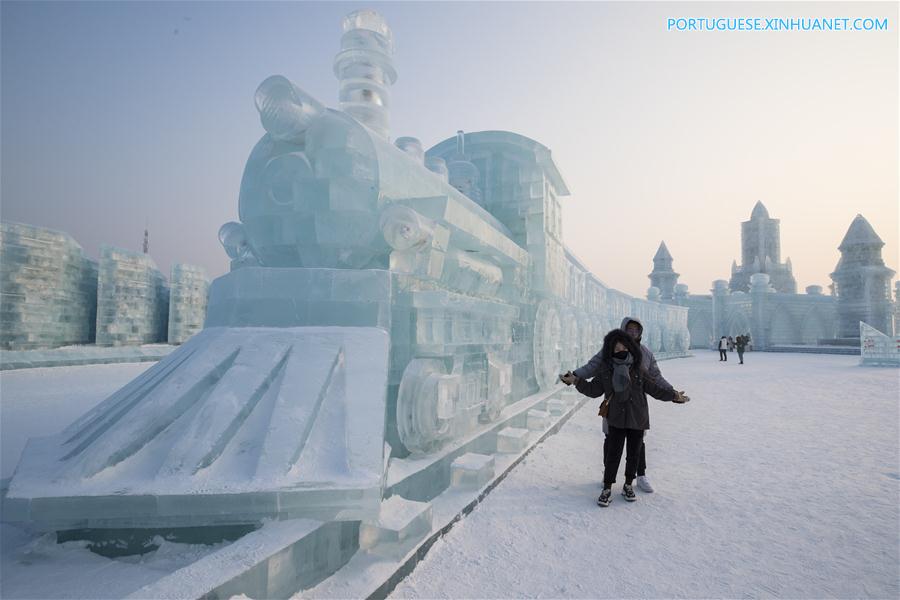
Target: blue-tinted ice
x=382 y=302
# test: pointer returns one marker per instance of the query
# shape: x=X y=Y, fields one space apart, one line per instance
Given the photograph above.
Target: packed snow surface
x=39 y=568
x=778 y=479
x=45 y=400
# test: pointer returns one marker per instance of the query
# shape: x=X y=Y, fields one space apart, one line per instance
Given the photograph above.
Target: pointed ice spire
x=759 y=212
x=755 y=267
x=789 y=264
x=662 y=253
x=734 y=266
x=860 y=233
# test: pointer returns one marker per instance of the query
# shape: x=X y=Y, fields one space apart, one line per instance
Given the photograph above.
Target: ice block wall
x=132 y=299
x=49 y=289
x=187 y=302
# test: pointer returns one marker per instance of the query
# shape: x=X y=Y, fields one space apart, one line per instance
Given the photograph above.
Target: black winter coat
x=628 y=409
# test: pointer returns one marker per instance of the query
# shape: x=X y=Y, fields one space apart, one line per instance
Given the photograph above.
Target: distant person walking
x=740 y=343
x=730 y=344
x=723 y=349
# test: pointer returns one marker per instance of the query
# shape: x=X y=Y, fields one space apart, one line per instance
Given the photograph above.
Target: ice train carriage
x=554 y=325
x=376 y=307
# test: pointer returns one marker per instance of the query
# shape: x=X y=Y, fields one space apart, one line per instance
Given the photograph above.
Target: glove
x=681 y=398
x=568 y=378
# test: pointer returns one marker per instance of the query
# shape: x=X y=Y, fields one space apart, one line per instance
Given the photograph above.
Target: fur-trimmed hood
x=619 y=336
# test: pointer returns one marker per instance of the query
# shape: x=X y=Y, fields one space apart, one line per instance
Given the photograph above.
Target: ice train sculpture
x=382 y=303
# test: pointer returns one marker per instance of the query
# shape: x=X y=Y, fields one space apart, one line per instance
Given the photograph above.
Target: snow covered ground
x=43 y=401
x=778 y=479
x=37 y=567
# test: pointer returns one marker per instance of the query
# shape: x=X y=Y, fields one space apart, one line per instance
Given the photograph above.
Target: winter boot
x=605 y=497
x=644 y=484
x=628 y=492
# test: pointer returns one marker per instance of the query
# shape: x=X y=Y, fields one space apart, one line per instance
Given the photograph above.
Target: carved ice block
x=400 y=525
x=556 y=406
x=538 y=420
x=471 y=470
x=512 y=440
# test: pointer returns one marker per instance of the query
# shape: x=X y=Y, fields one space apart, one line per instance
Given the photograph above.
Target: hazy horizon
x=120 y=115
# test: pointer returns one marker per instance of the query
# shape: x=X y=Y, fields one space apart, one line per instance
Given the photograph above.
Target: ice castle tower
x=663 y=276
x=761 y=253
x=862 y=282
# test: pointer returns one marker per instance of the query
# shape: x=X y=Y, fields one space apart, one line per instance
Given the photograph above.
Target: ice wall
x=132 y=299
x=49 y=289
x=187 y=302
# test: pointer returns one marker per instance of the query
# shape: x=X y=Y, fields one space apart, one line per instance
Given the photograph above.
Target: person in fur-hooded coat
x=634 y=327
x=621 y=380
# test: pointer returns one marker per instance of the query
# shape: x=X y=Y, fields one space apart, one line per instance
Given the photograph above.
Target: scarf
x=621 y=379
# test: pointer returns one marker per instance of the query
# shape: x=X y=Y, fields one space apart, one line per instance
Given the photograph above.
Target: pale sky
x=117 y=115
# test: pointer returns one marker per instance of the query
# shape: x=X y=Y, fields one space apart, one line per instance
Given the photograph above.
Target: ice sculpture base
x=370 y=576
x=272 y=562
x=401 y=524
x=323 y=558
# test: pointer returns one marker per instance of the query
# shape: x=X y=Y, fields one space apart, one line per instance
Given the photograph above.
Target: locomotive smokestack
x=365 y=68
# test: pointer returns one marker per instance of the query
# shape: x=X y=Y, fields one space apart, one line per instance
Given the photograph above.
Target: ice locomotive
x=383 y=303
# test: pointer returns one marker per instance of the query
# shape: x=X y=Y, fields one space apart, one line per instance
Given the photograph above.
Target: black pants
x=723 y=355
x=642 y=456
x=631 y=440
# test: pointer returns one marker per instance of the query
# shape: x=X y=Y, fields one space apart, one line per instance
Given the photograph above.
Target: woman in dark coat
x=621 y=381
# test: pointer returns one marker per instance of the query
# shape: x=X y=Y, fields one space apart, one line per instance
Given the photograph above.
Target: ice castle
x=761 y=299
